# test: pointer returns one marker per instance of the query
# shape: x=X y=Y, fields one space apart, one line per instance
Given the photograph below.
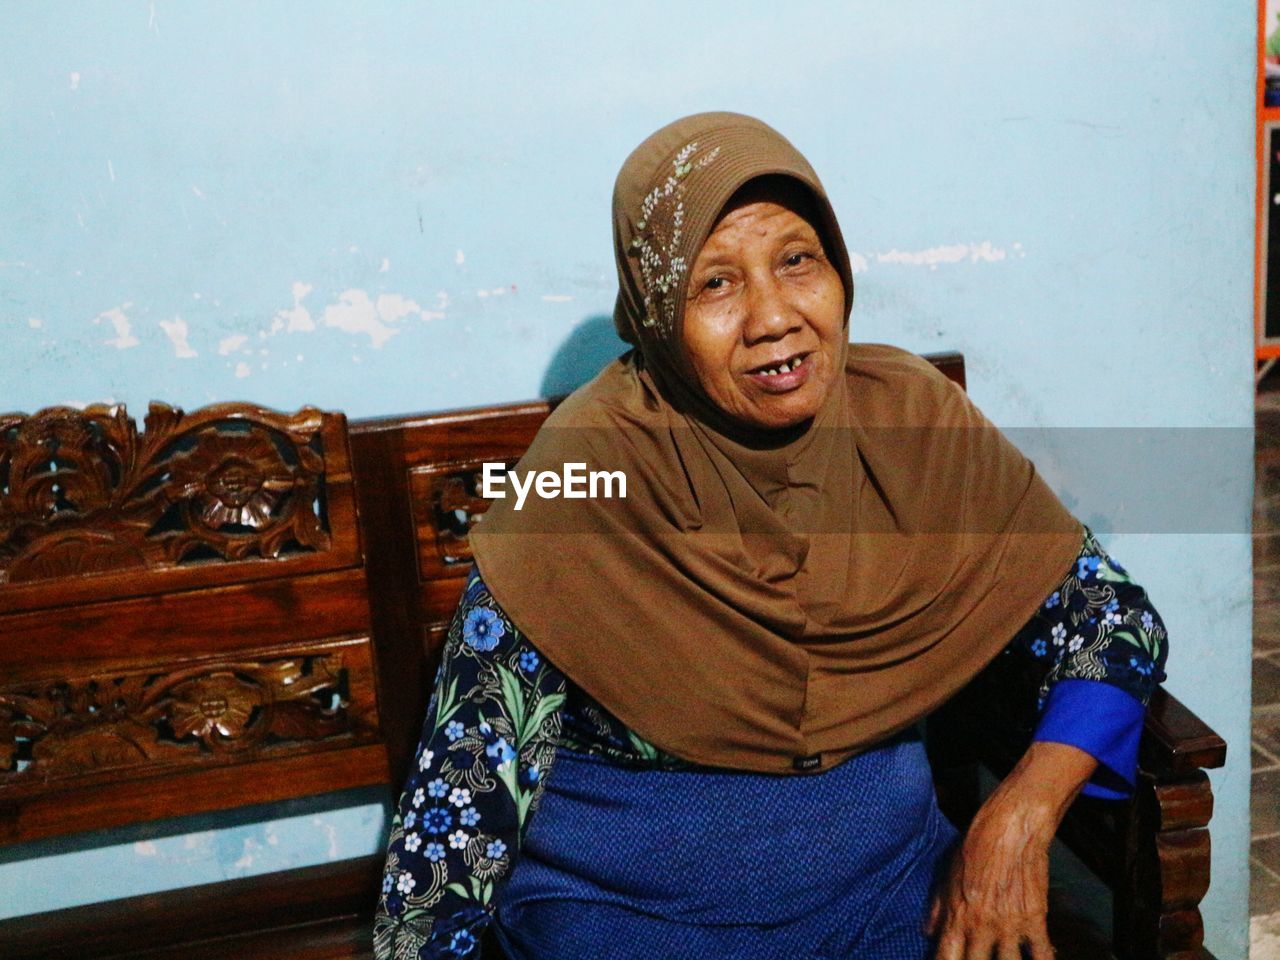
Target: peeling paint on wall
x=229 y=345
x=176 y=331
x=124 y=338
x=984 y=252
x=297 y=318
x=247 y=858
x=393 y=307
x=355 y=312
x=331 y=835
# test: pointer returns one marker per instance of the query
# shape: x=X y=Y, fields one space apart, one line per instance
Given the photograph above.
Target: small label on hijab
x=811 y=762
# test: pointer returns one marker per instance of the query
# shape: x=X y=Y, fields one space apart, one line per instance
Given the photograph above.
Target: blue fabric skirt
x=647 y=864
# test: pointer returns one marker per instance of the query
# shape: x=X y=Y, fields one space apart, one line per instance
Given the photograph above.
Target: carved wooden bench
x=237 y=607
x=185 y=614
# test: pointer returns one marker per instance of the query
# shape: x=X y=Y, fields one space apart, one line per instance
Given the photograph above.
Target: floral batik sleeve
x=1105 y=646
x=487 y=746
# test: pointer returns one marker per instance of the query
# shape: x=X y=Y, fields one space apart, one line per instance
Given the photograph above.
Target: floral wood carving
x=83 y=492
x=456 y=506
x=73 y=727
x=447 y=504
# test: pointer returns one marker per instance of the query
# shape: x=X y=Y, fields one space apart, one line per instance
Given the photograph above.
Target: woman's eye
x=713 y=286
x=795 y=259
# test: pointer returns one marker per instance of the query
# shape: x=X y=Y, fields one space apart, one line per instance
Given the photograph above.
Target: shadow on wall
x=592 y=344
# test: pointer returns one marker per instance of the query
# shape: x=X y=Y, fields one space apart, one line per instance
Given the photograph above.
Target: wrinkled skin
x=762 y=291
x=994 y=897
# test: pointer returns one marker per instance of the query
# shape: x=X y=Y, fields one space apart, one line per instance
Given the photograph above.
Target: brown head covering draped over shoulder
x=760 y=598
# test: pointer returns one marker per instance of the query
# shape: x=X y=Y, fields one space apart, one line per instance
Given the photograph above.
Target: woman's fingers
x=1036 y=946
x=977 y=939
x=1041 y=948
x=982 y=946
x=935 y=913
x=954 y=945
x=951 y=946
x=990 y=918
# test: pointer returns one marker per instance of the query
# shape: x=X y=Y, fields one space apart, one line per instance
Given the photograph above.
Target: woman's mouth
x=784 y=375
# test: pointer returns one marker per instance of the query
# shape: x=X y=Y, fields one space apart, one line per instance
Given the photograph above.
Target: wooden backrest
x=184 y=613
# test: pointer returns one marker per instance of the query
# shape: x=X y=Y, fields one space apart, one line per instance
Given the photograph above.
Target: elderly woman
x=682 y=723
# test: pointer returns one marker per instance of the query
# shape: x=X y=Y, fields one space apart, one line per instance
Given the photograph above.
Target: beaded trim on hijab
x=660 y=266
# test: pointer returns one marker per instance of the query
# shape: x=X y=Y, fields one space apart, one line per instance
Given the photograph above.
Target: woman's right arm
x=1106 y=647
x=487 y=746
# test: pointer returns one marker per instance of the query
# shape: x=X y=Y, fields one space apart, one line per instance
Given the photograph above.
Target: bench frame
x=373 y=584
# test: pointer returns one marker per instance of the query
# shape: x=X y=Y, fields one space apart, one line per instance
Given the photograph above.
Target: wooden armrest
x=1175 y=742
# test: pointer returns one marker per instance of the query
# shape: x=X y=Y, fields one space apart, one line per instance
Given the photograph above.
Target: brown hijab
x=766 y=601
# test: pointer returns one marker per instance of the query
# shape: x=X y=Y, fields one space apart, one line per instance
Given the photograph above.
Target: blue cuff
x=1103 y=721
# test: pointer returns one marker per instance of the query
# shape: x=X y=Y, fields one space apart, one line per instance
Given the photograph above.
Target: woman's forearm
x=1042 y=785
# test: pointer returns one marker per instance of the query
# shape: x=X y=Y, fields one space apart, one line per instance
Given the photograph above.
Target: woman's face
x=764 y=322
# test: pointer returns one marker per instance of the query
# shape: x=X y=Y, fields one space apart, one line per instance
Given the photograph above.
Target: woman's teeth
x=785 y=367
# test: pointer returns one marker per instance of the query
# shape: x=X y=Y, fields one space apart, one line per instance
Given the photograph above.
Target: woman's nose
x=770 y=314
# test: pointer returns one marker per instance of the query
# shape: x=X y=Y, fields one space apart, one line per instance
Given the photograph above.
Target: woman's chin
x=780 y=413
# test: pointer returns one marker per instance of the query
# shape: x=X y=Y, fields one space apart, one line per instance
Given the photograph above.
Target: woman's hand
x=995 y=897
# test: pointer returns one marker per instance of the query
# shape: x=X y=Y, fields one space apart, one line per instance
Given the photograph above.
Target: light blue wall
x=388 y=207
